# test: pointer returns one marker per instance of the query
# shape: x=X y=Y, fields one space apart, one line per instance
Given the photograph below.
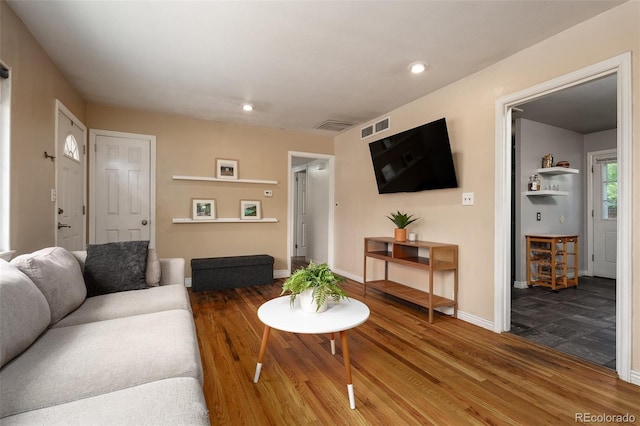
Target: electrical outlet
x=268 y=193
x=538 y=216
x=467 y=198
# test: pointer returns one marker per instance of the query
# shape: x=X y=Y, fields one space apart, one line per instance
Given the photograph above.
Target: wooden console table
x=441 y=257
x=549 y=260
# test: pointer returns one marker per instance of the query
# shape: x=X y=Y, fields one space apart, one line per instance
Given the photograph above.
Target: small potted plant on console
x=315 y=284
x=401 y=220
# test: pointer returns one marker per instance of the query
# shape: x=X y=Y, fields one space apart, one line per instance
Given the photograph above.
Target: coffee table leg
x=263 y=349
x=333 y=344
x=347 y=367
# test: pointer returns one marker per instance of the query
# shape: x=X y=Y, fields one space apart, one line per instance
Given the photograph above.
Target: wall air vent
x=366 y=131
x=382 y=125
x=334 y=125
x=377 y=127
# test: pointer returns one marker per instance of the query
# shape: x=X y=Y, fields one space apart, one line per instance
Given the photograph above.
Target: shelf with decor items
x=550 y=172
x=440 y=257
x=224 y=220
x=213 y=179
x=550 y=259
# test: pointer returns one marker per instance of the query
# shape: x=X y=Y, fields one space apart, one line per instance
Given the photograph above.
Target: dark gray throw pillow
x=114 y=267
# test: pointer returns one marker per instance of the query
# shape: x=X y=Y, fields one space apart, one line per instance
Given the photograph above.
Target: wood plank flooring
x=405 y=371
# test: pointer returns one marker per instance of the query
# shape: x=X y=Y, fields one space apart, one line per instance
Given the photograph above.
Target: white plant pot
x=307 y=304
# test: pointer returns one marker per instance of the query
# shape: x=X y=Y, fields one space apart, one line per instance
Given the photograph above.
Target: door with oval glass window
x=70 y=181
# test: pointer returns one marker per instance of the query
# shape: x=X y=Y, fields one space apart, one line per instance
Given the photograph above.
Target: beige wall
x=469 y=106
x=188 y=146
x=36 y=83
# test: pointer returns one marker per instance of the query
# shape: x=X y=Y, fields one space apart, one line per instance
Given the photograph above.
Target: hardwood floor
x=405 y=371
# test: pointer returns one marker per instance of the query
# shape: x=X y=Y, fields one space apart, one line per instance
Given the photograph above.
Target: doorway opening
x=620 y=67
x=310 y=209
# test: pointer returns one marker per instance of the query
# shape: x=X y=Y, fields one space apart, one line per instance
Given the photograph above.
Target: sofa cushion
x=71 y=363
x=128 y=303
x=177 y=401
x=24 y=312
x=57 y=274
x=114 y=267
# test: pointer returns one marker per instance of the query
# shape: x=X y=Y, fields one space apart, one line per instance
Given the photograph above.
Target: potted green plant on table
x=315 y=284
x=401 y=220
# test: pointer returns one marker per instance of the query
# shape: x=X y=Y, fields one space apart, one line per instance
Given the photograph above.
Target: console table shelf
x=441 y=257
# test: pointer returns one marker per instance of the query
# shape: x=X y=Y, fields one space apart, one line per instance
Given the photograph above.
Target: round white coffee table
x=340 y=317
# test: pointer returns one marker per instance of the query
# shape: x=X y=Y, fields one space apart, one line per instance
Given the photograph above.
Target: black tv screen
x=418 y=159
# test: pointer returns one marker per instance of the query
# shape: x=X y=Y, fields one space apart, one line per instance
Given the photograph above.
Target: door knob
x=144 y=221
x=63 y=225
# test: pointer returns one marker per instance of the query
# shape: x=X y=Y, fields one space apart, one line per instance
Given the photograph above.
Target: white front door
x=70 y=179
x=301 y=214
x=122 y=187
x=605 y=215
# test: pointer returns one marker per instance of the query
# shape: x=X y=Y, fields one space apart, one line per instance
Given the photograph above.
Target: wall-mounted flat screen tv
x=418 y=159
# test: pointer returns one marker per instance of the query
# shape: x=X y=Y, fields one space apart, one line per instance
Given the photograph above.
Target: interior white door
x=70 y=181
x=302 y=219
x=122 y=188
x=605 y=215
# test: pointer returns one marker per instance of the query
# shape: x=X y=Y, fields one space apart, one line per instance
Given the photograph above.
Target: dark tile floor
x=580 y=322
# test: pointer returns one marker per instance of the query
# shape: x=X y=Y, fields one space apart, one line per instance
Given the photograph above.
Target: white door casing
x=69 y=216
x=602 y=250
x=122 y=187
x=291 y=189
x=621 y=66
x=301 y=214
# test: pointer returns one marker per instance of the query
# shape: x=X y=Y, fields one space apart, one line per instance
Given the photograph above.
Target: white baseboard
x=281 y=273
x=357 y=278
x=635 y=377
x=520 y=284
x=475 y=320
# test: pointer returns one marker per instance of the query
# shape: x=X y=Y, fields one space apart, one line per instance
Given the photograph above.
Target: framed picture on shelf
x=226 y=169
x=203 y=209
x=250 y=209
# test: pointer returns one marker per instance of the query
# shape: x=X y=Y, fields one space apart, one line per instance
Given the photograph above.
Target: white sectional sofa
x=123 y=358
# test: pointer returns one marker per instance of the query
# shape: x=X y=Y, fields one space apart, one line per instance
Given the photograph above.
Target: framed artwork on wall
x=203 y=209
x=250 y=209
x=226 y=169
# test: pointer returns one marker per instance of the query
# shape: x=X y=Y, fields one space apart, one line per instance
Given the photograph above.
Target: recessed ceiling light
x=247 y=107
x=418 y=67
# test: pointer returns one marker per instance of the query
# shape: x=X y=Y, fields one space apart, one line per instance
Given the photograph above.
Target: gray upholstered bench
x=231 y=272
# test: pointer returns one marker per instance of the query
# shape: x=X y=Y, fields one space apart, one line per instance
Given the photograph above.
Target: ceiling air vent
x=334 y=125
x=366 y=131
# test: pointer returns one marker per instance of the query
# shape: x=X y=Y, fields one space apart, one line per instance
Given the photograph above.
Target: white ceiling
x=586 y=108
x=300 y=62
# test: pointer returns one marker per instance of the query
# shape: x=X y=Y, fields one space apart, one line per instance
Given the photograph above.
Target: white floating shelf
x=546 y=193
x=212 y=179
x=224 y=220
x=558 y=171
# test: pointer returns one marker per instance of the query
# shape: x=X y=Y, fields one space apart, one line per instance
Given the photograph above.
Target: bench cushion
x=231 y=272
